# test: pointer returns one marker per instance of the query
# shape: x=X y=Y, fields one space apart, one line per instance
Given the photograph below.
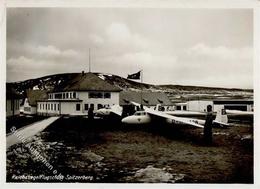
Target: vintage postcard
x=138 y=94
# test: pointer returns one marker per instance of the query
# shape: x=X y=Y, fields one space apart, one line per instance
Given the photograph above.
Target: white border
x=211 y=4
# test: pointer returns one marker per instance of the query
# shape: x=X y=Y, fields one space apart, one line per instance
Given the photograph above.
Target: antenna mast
x=89 y=63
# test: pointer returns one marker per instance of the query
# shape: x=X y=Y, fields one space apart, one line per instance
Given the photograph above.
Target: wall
x=104 y=101
x=57 y=108
x=10 y=104
x=31 y=110
x=69 y=107
x=199 y=105
x=52 y=108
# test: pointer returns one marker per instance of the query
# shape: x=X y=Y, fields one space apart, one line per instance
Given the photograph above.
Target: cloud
x=41 y=52
x=22 y=67
x=96 y=39
x=180 y=46
x=118 y=34
x=220 y=52
x=216 y=66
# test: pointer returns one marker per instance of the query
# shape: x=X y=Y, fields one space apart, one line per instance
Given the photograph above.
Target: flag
x=134 y=76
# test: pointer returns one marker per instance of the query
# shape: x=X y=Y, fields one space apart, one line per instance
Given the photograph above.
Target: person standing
x=90 y=113
x=208 y=126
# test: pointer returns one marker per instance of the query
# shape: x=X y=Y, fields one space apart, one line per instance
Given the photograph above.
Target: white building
x=230 y=104
x=30 y=103
x=199 y=105
x=76 y=96
x=235 y=104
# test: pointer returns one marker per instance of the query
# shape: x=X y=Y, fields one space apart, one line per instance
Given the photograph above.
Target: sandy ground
x=111 y=152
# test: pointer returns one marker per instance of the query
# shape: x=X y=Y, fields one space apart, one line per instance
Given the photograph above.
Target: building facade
x=30 y=103
x=13 y=100
x=149 y=99
x=229 y=104
x=78 y=95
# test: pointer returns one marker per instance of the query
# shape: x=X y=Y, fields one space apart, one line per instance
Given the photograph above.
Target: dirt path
x=28 y=131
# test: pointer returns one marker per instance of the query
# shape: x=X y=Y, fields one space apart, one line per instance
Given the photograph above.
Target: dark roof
x=234 y=101
x=36 y=95
x=87 y=82
x=149 y=98
x=11 y=93
x=60 y=100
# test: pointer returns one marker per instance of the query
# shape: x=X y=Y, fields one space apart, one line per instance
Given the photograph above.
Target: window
x=178 y=107
x=51 y=106
x=48 y=106
x=67 y=95
x=58 y=107
x=106 y=106
x=99 y=95
x=92 y=106
x=140 y=113
x=40 y=106
x=95 y=95
x=77 y=107
x=184 y=107
x=58 y=96
x=74 y=94
x=107 y=95
x=99 y=106
x=86 y=106
x=55 y=107
x=27 y=109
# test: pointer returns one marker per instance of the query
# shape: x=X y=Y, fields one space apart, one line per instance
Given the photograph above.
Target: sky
x=205 y=47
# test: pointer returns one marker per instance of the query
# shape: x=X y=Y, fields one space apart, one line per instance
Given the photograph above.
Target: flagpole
x=89 y=63
x=141 y=75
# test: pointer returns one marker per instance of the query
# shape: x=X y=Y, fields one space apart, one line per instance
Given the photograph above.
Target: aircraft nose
x=125 y=120
x=99 y=112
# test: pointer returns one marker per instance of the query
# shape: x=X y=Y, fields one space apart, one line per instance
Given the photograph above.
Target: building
x=181 y=106
x=235 y=104
x=149 y=99
x=230 y=104
x=77 y=95
x=199 y=105
x=13 y=100
x=30 y=103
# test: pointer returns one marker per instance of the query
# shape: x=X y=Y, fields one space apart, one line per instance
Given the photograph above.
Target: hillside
x=175 y=92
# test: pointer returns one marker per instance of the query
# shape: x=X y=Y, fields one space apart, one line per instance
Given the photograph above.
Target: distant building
x=30 y=103
x=76 y=96
x=149 y=99
x=181 y=106
x=235 y=104
x=13 y=100
x=231 y=104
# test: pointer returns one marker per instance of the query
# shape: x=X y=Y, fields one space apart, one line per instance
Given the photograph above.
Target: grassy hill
x=175 y=92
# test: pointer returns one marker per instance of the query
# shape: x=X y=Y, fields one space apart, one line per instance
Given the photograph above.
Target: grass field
x=111 y=152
